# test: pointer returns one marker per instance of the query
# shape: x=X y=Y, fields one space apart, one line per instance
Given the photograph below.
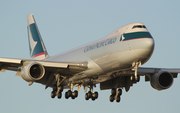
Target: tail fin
x=36 y=45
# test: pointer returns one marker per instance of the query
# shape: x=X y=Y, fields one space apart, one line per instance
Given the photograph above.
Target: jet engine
x=32 y=72
x=161 y=80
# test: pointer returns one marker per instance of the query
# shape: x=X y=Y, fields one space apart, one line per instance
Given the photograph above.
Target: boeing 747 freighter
x=114 y=62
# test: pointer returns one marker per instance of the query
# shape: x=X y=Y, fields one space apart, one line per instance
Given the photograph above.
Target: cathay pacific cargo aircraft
x=114 y=62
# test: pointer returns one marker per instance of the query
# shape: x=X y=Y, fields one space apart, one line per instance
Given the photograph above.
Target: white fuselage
x=119 y=50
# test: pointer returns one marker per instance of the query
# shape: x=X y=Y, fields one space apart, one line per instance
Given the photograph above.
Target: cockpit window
x=144 y=26
x=139 y=26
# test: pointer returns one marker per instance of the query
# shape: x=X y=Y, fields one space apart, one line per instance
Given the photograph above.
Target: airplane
x=114 y=62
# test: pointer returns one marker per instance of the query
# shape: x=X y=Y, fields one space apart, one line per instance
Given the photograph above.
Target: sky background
x=65 y=24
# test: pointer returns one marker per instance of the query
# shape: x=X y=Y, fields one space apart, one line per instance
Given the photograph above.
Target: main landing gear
x=71 y=94
x=91 y=95
x=57 y=91
x=115 y=95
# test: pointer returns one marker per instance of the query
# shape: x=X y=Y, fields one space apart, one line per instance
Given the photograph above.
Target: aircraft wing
x=160 y=78
x=148 y=72
x=16 y=64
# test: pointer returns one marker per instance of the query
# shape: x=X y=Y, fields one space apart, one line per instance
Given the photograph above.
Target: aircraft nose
x=146 y=49
x=142 y=49
x=149 y=43
x=145 y=44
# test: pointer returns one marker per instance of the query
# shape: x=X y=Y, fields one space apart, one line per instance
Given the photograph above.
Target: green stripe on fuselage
x=136 y=35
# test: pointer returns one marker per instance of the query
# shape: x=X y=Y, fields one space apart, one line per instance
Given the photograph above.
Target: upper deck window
x=139 y=26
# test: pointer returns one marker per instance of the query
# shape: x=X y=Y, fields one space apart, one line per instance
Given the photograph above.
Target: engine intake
x=32 y=72
x=162 y=80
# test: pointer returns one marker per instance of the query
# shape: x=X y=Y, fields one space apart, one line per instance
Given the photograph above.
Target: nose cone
x=142 y=48
x=145 y=50
x=147 y=45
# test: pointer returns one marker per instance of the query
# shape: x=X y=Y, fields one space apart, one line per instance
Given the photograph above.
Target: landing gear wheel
x=66 y=95
x=53 y=94
x=96 y=95
x=69 y=93
x=119 y=92
x=111 y=98
x=61 y=88
x=73 y=97
x=90 y=94
x=113 y=91
x=76 y=93
x=86 y=96
x=59 y=95
x=93 y=99
x=118 y=99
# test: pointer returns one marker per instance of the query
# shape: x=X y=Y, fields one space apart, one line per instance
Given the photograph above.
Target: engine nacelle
x=32 y=72
x=162 y=80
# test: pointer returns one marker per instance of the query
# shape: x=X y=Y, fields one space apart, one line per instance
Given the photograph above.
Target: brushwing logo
x=32 y=44
x=122 y=38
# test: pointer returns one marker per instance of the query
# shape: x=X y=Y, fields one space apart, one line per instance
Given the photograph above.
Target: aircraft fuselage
x=119 y=50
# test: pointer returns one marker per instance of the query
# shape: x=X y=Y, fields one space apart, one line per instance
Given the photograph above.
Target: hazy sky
x=71 y=23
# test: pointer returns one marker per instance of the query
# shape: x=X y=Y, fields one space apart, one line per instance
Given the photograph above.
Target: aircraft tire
x=118 y=99
x=119 y=92
x=89 y=94
x=111 y=98
x=86 y=96
x=66 y=95
x=73 y=97
x=53 y=94
x=76 y=93
x=96 y=95
x=93 y=98
x=59 y=95
x=113 y=91
x=69 y=93
x=61 y=88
